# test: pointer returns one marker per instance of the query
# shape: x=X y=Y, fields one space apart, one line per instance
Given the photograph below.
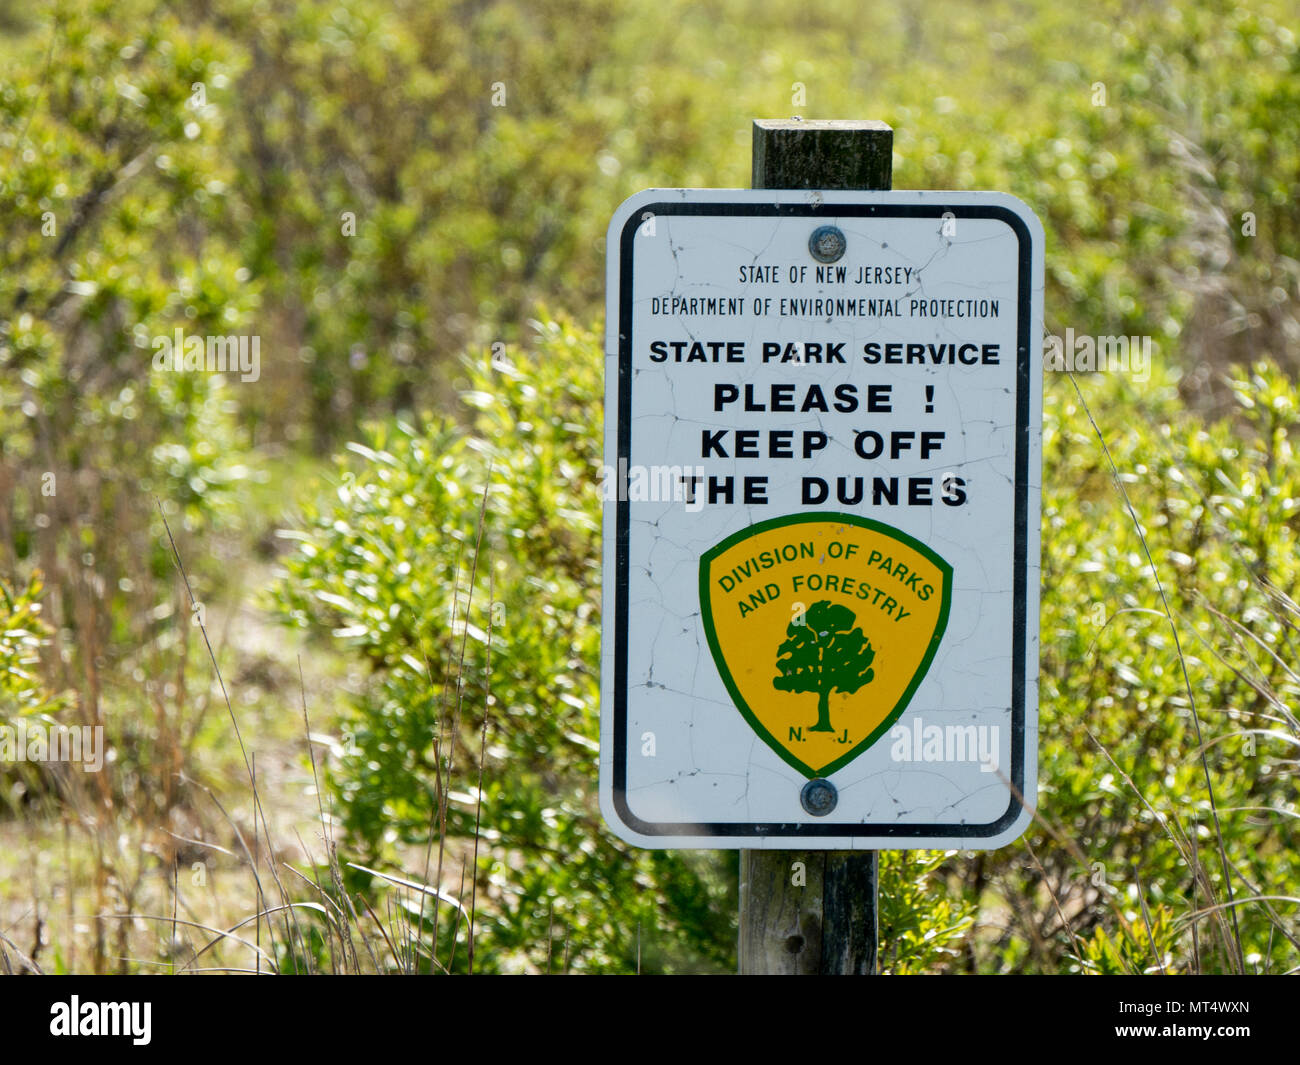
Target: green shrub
x=23 y=693
x=385 y=566
x=1123 y=730
x=1120 y=756
x=22 y=634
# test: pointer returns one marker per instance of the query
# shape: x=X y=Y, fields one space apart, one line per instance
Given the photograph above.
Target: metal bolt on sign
x=819 y=797
x=827 y=244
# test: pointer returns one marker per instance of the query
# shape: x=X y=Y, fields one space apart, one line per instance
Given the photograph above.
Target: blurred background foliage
x=406 y=202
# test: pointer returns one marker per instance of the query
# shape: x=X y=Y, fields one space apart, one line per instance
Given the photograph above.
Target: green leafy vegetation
x=389 y=539
x=480 y=549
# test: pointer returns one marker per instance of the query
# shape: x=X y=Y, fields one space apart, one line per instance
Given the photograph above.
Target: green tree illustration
x=824 y=654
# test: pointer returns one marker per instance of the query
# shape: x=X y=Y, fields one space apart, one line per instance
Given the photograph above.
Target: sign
x=821 y=521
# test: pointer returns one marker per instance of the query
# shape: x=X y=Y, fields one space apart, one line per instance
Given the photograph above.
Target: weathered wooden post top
x=791 y=153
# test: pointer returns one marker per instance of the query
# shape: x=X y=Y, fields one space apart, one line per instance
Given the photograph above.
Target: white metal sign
x=821 y=527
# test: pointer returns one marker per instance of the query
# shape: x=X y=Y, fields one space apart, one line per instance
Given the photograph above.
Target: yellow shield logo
x=823 y=626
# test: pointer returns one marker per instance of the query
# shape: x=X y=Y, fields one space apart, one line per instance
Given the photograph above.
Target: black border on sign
x=622 y=547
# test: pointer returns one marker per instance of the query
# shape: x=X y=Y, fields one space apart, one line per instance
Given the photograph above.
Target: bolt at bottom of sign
x=819 y=797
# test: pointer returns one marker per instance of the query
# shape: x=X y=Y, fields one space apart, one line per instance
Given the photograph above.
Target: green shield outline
x=706 y=616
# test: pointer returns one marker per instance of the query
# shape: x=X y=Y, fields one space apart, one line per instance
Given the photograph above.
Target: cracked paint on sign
x=762 y=425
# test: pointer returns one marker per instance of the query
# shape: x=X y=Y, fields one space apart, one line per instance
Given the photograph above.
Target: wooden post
x=794 y=154
x=811 y=912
